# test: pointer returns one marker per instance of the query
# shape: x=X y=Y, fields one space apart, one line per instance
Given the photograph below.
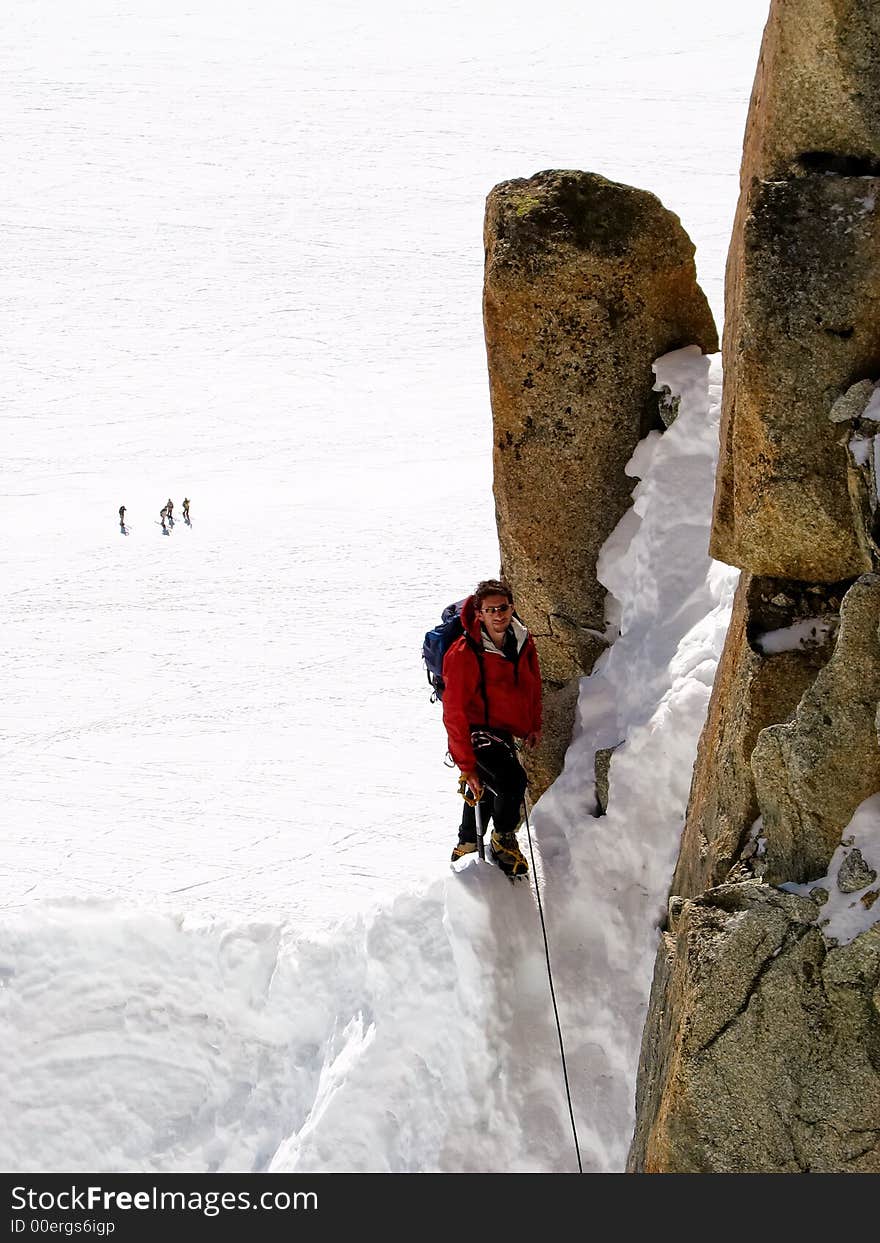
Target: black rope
x=550 y=978
x=553 y=991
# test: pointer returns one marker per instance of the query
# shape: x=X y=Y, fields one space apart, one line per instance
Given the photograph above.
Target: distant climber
x=169 y=505
x=492 y=694
x=163 y=514
x=186 y=511
x=122 y=516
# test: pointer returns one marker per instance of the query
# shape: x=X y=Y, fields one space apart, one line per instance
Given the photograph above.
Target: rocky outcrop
x=803 y=326
x=812 y=773
x=816 y=95
x=761 y=1050
x=857 y=414
x=781 y=634
x=802 y=293
x=586 y=283
x=765 y=1048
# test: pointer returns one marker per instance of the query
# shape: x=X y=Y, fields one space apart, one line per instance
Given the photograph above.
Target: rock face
x=761 y=1050
x=802 y=294
x=781 y=633
x=812 y=773
x=856 y=412
x=817 y=87
x=766 y=1043
x=586 y=283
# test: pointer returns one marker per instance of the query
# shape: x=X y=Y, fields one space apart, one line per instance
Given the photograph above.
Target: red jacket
x=513 y=687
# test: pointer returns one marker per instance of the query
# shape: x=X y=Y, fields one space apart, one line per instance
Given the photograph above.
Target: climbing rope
x=552 y=990
x=471 y=799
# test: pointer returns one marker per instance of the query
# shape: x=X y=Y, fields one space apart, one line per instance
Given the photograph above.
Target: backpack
x=437 y=643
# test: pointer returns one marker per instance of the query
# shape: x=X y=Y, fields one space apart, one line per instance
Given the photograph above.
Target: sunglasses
x=497 y=608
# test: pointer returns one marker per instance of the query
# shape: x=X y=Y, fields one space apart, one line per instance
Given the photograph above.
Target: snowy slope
x=242 y=262
x=420 y=1036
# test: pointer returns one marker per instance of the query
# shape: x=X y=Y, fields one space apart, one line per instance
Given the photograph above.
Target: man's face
x=496 y=613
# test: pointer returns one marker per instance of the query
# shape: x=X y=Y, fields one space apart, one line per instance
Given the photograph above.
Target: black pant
x=504 y=785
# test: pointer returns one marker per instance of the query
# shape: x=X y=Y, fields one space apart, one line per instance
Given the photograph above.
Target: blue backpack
x=437 y=643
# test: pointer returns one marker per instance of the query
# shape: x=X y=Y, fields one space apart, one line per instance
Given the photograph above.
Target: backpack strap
x=477 y=649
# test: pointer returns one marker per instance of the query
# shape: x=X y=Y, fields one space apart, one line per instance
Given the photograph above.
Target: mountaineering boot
x=467 y=844
x=507 y=854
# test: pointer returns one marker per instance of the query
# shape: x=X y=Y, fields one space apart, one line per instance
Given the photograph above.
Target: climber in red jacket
x=492 y=695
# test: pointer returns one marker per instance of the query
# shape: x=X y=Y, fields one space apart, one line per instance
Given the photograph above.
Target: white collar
x=519 y=631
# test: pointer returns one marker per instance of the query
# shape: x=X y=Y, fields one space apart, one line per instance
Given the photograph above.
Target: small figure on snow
x=169 y=505
x=122 y=517
x=163 y=514
x=492 y=676
x=186 y=511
